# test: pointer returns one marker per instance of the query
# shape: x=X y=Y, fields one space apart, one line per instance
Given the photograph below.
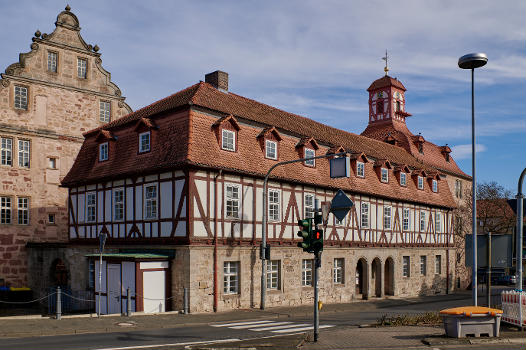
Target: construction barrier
x=514 y=307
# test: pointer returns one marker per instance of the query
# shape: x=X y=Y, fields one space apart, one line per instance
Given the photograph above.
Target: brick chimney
x=218 y=79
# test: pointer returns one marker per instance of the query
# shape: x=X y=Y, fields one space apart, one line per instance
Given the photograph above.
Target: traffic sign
x=340 y=205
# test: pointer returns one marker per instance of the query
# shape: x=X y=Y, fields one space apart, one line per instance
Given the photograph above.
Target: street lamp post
x=472 y=61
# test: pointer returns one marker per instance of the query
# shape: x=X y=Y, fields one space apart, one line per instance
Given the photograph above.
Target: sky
x=317 y=58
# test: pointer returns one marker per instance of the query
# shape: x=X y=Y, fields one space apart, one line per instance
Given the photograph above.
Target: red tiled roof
x=386 y=81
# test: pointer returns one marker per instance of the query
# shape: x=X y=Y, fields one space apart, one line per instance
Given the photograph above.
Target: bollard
x=59 y=304
x=128 y=303
x=186 y=309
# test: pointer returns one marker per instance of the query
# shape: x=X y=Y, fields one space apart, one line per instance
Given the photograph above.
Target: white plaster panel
x=109 y=205
x=129 y=182
x=72 y=233
x=150 y=178
x=179 y=184
x=91 y=187
x=82 y=231
x=128 y=228
x=115 y=231
x=118 y=183
x=258 y=231
x=372 y=216
x=259 y=204
x=148 y=265
x=138 y=202
x=200 y=173
x=129 y=203
x=285 y=199
x=165 y=175
x=82 y=211
x=110 y=230
x=122 y=231
x=155 y=230
x=180 y=231
x=100 y=208
x=147 y=230
x=74 y=206
x=202 y=191
x=178 y=173
x=212 y=200
x=248 y=230
x=166 y=229
x=199 y=229
x=247 y=202
x=165 y=192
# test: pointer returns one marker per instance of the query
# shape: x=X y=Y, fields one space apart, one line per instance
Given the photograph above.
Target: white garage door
x=154 y=291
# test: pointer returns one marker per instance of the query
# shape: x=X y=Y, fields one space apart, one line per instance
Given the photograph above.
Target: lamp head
x=472 y=60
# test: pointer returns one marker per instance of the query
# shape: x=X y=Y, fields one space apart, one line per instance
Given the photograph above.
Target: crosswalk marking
x=270 y=326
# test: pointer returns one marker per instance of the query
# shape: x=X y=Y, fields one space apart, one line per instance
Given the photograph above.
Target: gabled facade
x=197 y=193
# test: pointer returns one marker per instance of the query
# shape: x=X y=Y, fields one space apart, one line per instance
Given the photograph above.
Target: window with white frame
x=273 y=205
x=365 y=215
x=6 y=151
x=150 y=202
x=228 y=140
x=118 y=204
x=52 y=58
x=82 y=68
x=52 y=163
x=438 y=264
x=306 y=272
x=385 y=175
x=103 y=152
x=23 y=211
x=420 y=183
x=406 y=219
x=435 y=185
x=23 y=153
x=360 y=169
x=422 y=221
x=91 y=207
x=231 y=277
x=104 y=111
x=273 y=274
x=438 y=222
x=144 y=142
x=387 y=218
x=20 y=97
x=5 y=210
x=309 y=153
x=271 y=149
x=403 y=179
x=232 y=200
x=338 y=271
x=308 y=203
x=423 y=265
x=406 y=266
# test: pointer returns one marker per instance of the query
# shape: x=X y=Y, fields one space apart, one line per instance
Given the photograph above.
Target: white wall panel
x=150 y=178
x=180 y=231
x=82 y=211
x=259 y=204
x=155 y=230
x=100 y=208
x=147 y=231
x=72 y=233
x=109 y=206
x=82 y=231
x=74 y=206
x=179 y=184
x=138 y=202
x=166 y=229
x=247 y=202
x=122 y=231
x=202 y=191
x=166 y=175
x=199 y=229
x=129 y=203
x=165 y=192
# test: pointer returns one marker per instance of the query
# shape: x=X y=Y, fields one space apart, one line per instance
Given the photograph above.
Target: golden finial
x=386 y=69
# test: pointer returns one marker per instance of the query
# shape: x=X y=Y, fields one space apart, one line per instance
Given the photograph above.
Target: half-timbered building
x=180 y=181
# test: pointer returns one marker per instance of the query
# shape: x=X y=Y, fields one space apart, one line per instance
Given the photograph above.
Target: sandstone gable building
x=48 y=98
x=177 y=187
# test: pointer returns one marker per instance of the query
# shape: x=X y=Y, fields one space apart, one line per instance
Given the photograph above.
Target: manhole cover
x=126 y=324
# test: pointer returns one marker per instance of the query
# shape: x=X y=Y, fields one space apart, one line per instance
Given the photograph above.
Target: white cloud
x=464 y=151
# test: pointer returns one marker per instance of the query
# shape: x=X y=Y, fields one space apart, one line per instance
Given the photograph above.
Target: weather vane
x=386 y=69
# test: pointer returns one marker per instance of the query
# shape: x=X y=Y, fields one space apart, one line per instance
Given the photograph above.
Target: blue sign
x=340 y=205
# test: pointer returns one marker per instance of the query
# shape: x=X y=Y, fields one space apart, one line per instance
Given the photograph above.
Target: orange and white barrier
x=514 y=307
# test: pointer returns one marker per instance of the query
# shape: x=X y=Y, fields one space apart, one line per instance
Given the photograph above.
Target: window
x=51 y=219
x=420 y=183
x=103 y=152
x=387 y=218
x=118 y=204
x=360 y=170
x=422 y=221
x=82 y=68
x=438 y=264
x=438 y=222
x=403 y=179
x=365 y=215
x=150 y=202
x=91 y=206
x=458 y=189
x=232 y=201
x=385 y=175
x=23 y=211
x=273 y=274
x=104 y=111
x=306 y=272
x=144 y=142
x=406 y=219
x=423 y=265
x=52 y=61
x=23 y=153
x=52 y=163
x=309 y=153
x=5 y=210
x=309 y=205
x=397 y=106
x=379 y=106
x=7 y=151
x=271 y=149
x=231 y=277
x=338 y=271
x=228 y=142
x=20 y=97
x=435 y=185
x=273 y=205
x=406 y=266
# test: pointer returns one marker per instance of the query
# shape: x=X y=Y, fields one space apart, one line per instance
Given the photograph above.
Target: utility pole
x=317 y=265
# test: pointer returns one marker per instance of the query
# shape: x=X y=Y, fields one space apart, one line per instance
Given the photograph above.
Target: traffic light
x=305 y=233
x=317 y=240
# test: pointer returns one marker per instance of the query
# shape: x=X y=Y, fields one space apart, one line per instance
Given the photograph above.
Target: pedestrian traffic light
x=305 y=233
x=317 y=240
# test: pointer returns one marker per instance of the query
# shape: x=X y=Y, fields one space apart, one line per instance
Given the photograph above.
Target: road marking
x=268 y=323
x=272 y=326
x=173 y=344
x=279 y=327
x=237 y=323
x=288 y=330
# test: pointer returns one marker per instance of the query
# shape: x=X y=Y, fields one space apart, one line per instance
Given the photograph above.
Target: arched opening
x=389 y=277
x=376 y=277
x=361 y=279
x=59 y=273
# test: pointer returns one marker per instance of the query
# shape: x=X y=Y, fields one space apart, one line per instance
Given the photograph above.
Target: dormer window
x=310 y=153
x=435 y=186
x=403 y=179
x=360 y=169
x=271 y=149
x=228 y=140
x=103 y=152
x=144 y=142
x=384 y=175
x=420 y=183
